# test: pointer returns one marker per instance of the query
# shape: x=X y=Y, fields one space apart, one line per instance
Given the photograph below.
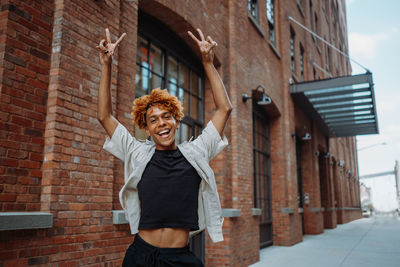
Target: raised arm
x=104 y=111
x=221 y=99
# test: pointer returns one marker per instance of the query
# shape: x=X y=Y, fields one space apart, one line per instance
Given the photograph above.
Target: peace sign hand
x=107 y=48
x=205 y=46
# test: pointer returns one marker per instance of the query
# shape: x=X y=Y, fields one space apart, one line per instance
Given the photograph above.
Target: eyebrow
x=155 y=116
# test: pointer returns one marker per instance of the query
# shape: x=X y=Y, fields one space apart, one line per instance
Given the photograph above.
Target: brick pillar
x=78 y=178
x=25 y=59
x=25 y=54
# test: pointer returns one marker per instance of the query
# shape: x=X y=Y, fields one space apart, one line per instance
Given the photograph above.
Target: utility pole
x=397 y=179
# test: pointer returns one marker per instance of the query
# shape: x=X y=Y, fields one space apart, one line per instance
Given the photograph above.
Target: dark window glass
x=311 y=17
x=292 y=52
x=316 y=27
x=301 y=62
x=328 y=59
x=262 y=173
x=252 y=6
x=271 y=20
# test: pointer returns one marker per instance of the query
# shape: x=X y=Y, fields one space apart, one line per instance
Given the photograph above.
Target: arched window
x=164 y=60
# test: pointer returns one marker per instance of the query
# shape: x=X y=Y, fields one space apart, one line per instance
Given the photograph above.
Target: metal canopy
x=342 y=106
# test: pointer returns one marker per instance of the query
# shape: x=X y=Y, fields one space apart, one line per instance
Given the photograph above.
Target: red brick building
x=287 y=172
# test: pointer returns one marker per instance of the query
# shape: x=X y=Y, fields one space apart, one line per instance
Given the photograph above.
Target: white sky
x=374 y=41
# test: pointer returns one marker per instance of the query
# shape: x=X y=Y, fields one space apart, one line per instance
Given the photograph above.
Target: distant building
x=291 y=167
x=366 y=197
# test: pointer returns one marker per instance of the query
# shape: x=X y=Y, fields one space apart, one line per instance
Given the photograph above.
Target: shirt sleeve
x=120 y=143
x=210 y=141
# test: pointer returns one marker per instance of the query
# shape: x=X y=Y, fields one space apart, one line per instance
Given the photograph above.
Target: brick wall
x=74 y=182
x=51 y=152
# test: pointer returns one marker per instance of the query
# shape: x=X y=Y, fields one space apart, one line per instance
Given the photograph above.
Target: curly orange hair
x=159 y=98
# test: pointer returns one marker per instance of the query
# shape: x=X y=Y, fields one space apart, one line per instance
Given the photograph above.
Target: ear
x=177 y=123
x=147 y=130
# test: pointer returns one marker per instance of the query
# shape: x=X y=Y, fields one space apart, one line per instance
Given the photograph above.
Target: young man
x=170 y=190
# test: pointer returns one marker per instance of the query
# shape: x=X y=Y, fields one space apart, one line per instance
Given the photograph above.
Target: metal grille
x=262 y=175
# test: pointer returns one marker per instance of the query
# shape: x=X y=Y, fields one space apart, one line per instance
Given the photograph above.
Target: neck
x=170 y=147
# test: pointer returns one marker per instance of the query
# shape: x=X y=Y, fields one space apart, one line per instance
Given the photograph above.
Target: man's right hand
x=107 y=48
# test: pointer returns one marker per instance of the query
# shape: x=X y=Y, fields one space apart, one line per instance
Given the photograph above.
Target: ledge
x=256 y=25
x=273 y=47
x=25 y=220
x=348 y=208
x=230 y=213
x=300 y=9
x=256 y=212
x=315 y=209
x=331 y=209
x=287 y=210
x=119 y=217
x=300 y=210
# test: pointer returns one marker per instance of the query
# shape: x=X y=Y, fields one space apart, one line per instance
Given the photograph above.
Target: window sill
x=348 y=208
x=287 y=210
x=317 y=45
x=273 y=47
x=300 y=9
x=119 y=217
x=230 y=213
x=294 y=77
x=256 y=212
x=25 y=220
x=256 y=25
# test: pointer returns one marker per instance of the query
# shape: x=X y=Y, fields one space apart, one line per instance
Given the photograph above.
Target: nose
x=161 y=122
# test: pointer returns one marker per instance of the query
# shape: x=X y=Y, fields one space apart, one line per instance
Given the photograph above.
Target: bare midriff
x=165 y=237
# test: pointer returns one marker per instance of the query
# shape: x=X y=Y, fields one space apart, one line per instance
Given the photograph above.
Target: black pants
x=141 y=253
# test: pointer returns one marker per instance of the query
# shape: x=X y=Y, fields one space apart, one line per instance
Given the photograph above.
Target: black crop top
x=168 y=192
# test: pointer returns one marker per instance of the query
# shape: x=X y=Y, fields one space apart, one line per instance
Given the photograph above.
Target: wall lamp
x=302 y=133
x=265 y=100
x=306 y=136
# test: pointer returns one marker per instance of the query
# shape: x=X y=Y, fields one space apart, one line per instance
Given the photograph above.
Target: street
x=373 y=241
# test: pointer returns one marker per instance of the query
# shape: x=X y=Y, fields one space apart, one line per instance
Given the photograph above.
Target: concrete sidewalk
x=368 y=242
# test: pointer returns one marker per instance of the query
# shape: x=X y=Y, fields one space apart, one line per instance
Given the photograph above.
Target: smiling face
x=161 y=126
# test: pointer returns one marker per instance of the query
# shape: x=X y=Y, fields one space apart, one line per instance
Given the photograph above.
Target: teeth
x=163 y=132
